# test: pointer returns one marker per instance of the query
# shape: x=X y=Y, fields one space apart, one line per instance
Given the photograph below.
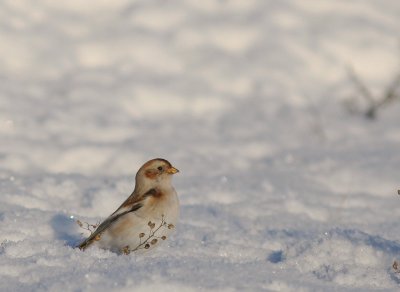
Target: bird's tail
x=84 y=244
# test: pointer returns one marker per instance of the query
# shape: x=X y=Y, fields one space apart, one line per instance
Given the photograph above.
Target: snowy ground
x=281 y=188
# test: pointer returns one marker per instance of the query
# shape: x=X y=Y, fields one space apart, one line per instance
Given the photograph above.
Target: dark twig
x=374 y=103
x=151 y=239
x=89 y=227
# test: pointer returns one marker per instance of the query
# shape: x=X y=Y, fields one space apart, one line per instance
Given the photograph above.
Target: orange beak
x=172 y=170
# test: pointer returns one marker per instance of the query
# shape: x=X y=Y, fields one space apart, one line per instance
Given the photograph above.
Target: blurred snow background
x=281 y=188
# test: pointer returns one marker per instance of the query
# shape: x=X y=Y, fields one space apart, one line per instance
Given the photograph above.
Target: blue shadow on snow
x=65 y=229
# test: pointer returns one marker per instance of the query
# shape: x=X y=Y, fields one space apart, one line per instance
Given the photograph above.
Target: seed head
x=141 y=235
x=126 y=250
x=147 y=246
x=154 y=241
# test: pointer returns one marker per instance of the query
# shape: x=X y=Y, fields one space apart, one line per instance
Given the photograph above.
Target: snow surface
x=281 y=188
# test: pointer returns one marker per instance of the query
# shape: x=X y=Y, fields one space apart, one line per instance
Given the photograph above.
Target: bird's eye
x=160 y=168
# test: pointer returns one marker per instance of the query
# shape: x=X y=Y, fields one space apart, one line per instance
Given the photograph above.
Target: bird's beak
x=172 y=170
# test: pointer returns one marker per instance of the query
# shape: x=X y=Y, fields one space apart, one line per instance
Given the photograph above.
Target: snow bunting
x=146 y=218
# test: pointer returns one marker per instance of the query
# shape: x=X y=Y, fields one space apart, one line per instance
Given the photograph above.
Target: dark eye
x=160 y=168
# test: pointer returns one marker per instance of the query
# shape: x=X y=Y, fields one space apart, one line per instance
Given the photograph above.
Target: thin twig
x=360 y=85
x=89 y=227
x=373 y=103
x=151 y=235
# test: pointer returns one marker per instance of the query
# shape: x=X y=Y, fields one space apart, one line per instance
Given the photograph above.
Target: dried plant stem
x=374 y=103
x=151 y=238
x=89 y=227
x=396 y=267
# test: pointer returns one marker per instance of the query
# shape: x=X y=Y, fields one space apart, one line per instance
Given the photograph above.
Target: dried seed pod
x=141 y=235
x=126 y=250
x=163 y=237
x=150 y=223
x=154 y=241
x=170 y=226
x=147 y=246
x=79 y=223
x=97 y=238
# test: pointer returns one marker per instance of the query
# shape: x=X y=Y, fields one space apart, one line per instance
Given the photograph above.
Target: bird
x=145 y=218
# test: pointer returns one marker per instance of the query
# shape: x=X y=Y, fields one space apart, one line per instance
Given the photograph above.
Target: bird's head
x=155 y=173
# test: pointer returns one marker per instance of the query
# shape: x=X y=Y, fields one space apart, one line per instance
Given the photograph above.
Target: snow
x=281 y=187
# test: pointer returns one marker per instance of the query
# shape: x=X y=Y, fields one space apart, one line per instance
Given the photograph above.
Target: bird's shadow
x=64 y=229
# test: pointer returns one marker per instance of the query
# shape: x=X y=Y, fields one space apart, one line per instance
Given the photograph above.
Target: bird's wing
x=132 y=204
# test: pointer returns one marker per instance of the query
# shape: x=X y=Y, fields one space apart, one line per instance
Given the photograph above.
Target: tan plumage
x=153 y=201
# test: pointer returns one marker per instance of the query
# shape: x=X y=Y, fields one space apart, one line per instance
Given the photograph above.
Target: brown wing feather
x=105 y=224
x=134 y=201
